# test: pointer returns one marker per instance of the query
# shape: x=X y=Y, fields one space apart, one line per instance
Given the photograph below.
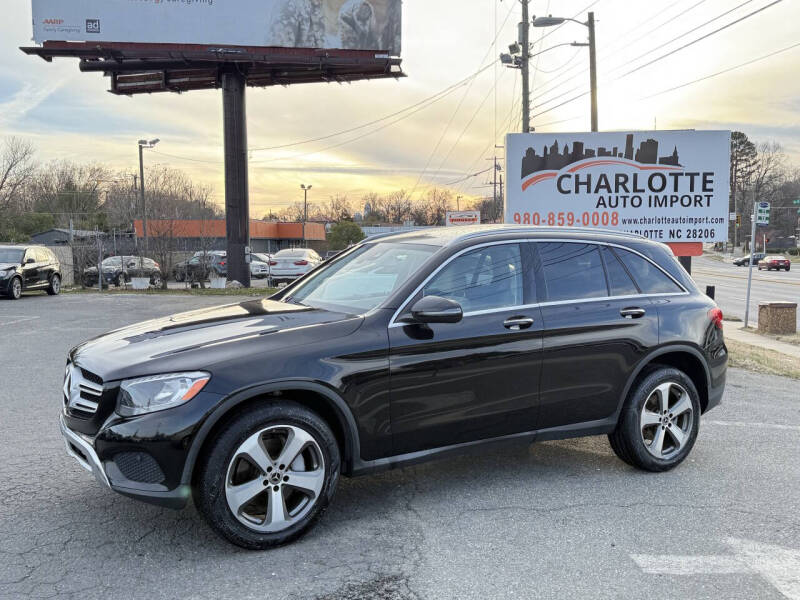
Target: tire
x=15 y=289
x=179 y=276
x=155 y=280
x=643 y=422
x=225 y=462
x=54 y=289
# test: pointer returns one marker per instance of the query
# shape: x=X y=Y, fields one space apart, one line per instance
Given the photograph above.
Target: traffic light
x=739 y=219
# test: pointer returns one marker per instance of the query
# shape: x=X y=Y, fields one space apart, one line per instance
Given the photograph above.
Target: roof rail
x=531 y=228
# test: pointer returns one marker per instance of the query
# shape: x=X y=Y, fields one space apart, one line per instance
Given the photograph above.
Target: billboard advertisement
x=670 y=186
x=329 y=24
x=462 y=217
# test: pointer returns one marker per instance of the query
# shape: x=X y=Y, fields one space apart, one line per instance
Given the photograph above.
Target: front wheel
x=156 y=281
x=15 y=288
x=268 y=476
x=659 y=421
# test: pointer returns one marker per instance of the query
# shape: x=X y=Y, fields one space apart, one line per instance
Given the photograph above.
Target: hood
x=5 y=266
x=199 y=339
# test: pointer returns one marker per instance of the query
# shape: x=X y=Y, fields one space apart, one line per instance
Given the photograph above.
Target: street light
x=142 y=145
x=550 y=21
x=305 y=189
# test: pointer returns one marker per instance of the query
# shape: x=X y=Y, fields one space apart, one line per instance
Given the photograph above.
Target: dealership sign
x=671 y=186
x=463 y=217
x=330 y=24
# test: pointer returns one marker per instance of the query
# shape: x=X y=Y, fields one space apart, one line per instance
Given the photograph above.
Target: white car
x=293 y=263
x=258 y=269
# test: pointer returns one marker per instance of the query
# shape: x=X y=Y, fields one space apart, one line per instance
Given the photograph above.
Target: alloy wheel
x=666 y=420
x=55 y=284
x=16 y=288
x=275 y=478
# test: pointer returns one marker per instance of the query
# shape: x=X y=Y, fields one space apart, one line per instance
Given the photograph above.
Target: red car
x=774 y=262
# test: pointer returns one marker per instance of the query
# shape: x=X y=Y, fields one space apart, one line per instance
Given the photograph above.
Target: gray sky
x=69 y=115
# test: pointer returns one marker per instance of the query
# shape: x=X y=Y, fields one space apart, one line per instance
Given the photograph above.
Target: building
x=61 y=237
x=210 y=234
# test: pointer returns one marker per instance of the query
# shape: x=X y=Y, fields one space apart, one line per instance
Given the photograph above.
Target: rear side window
x=619 y=281
x=572 y=271
x=649 y=278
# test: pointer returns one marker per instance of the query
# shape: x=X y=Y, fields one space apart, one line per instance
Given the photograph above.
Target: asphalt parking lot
x=555 y=520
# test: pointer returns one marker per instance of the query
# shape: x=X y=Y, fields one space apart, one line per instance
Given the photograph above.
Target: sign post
x=757 y=214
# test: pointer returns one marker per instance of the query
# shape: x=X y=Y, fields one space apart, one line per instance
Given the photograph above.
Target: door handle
x=633 y=312
x=517 y=323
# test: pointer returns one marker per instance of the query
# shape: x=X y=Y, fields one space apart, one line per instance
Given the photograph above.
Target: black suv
x=24 y=268
x=200 y=266
x=119 y=270
x=400 y=349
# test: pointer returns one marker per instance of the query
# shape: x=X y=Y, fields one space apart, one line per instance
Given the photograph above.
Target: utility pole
x=142 y=200
x=524 y=29
x=305 y=189
x=494 y=182
x=592 y=69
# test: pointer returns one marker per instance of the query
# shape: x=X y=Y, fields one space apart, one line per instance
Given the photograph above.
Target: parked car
x=408 y=347
x=28 y=268
x=202 y=265
x=776 y=262
x=118 y=270
x=290 y=264
x=259 y=265
x=745 y=260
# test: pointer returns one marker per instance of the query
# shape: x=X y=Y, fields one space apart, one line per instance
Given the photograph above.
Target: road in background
x=560 y=519
x=731 y=284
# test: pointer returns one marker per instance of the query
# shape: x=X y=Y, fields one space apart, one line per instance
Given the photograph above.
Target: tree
x=432 y=209
x=344 y=234
x=743 y=156
x=16 y=170
x=397 y=206
x=338 y=209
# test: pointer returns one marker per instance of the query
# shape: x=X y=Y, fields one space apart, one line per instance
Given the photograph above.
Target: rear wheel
x=268 y=476
x=15 y=288
x=156 y=280
x=659 y=421
x=55 y=285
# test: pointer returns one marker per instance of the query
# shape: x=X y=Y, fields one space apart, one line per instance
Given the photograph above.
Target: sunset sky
x=70 y=115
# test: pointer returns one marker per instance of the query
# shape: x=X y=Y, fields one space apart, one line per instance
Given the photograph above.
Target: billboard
x=329 y=24
x=462 y=217
x=670 y=186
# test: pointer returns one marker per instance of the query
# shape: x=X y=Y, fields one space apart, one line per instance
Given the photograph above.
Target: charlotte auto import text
x=664 y=190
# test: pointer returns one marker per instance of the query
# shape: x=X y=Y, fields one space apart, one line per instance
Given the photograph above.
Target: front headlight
x=6 y=274
x=159 y=392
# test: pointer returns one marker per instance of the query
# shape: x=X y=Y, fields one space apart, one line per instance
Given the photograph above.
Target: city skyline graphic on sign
x=552 y=160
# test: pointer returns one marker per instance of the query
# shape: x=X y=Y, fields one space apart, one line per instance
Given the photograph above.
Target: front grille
x=139 y=466
x=82 y=391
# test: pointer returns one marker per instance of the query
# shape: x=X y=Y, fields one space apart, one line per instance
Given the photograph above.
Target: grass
x=760 y=360
x=789 y=339
x=263 y=292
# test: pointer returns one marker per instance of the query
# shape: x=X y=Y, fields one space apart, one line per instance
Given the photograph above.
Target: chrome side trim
x=87 y=458
x=394 y=323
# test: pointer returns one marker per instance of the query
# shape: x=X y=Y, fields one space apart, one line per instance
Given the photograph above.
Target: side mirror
x=435 y=309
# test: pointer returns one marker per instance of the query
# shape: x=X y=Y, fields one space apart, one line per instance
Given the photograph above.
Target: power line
x=729 y=69
x=701 y=38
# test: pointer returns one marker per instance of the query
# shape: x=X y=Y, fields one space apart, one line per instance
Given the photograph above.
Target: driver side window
x=483 y=279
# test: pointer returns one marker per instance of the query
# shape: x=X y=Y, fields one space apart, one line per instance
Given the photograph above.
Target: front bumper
x=82 y=450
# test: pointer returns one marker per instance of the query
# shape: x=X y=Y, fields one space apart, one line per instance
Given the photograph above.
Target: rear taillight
x=715 y=315
x=272 y=263
x=222 y=263
x=301 y=263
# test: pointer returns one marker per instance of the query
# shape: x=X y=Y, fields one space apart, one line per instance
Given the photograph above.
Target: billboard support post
x=524 y=30
x=237 y=202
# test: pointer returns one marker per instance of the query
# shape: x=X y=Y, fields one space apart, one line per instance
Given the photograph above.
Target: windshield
x=11 y=255
x=112 y=261
x=363 y=279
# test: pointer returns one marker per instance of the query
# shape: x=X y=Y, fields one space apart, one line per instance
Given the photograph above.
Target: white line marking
x=779 y=566
x=745 y=424
x=21 y=319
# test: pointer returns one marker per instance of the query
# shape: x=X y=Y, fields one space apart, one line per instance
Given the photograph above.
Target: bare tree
x=397 y=206
x=16 y=169
x=432 y=209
